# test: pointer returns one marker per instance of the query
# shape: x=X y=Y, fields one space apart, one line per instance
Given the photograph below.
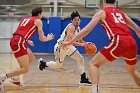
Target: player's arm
x=81 y=41
x=96 y=18
x=42 y=37
x=70 y=35
x=132 y=25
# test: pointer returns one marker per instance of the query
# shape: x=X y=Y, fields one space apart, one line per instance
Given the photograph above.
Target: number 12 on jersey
x=118 y=18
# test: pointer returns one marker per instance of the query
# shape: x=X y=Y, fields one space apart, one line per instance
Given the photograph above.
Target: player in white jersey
x=71 y=30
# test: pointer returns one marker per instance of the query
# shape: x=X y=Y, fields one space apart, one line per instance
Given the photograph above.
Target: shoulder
x=70 y=28
x=37 y=22
x=99 y=13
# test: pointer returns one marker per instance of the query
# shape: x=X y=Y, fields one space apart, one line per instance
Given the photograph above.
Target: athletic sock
x=3 y=76
x=95 y=88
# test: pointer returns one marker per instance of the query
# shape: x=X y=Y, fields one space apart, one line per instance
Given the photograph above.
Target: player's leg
x=80 y=63
x=60 y=54
x=21 y=55
x=18 y=80
x=31 y=56
x=131 y=60
x=59 y=58
x=131 y=69
x=23 y=62
x=97 y=61
x=20 y=51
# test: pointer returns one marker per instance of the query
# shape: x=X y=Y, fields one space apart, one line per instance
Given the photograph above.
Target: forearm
x=43 y=38
x=135 y=28
x=82 y=34
x=132 y=25
x=81 y=41
x=76 y=44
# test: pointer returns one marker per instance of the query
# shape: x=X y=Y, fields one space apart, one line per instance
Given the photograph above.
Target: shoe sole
x=84 y=84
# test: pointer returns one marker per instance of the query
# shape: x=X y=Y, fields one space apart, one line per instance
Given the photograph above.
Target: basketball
x=91 y=49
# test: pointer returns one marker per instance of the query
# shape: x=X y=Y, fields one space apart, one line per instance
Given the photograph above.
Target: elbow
x=42 y=39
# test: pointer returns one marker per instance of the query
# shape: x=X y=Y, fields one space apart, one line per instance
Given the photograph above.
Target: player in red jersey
x=122 y=43
x=26 y=28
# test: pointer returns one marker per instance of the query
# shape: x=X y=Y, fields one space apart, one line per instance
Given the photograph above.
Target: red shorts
x=121 y=46
x=18 y=46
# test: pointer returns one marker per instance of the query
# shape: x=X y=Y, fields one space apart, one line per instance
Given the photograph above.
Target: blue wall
x=135 y=36
x=56 y=25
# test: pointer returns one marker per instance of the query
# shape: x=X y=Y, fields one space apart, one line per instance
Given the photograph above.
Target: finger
x=51 y=34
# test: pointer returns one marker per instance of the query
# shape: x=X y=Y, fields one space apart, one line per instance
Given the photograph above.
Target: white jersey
x=63 y=35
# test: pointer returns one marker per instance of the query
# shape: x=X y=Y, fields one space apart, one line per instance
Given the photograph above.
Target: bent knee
x=92 y=63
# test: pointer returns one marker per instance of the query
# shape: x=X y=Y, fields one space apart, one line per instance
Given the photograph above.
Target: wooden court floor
x=114 y=78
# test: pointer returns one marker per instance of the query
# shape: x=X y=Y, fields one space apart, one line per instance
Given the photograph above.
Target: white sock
x=3 y=77
x=95 y=88
x=53 y=64
x=21 y=79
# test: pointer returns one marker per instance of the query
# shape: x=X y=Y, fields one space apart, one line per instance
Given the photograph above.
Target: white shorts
x=61 y=53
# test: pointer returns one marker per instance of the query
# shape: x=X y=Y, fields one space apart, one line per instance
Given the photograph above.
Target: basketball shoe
x=41 y=64
x=84 y=80
x=1 y=84
x=16 y=81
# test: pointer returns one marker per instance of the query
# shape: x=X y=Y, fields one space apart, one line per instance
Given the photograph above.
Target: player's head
x=37 y=11
x=75 y=18
x=110 y=1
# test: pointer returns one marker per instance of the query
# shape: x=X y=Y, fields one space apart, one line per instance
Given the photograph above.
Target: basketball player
x=122 y=44
x=27 y=27
x=71 y=30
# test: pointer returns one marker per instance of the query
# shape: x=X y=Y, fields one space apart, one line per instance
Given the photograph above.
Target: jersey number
x=24 y=22
x=118 y=18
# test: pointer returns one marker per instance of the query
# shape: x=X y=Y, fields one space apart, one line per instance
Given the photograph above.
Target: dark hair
x=36 y=11
x=110 y=1
x=74 y=14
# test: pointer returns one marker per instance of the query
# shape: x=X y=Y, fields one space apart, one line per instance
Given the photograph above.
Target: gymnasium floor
x=114 y=78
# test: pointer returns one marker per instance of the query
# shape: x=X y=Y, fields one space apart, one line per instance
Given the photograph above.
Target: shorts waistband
x=19 y=35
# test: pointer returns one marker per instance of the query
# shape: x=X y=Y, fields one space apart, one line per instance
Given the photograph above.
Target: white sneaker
x=16 y=81
x=1 y=86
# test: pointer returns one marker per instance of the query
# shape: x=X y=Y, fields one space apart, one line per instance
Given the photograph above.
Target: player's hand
x=84 y=44
x=50 y=36
x=30 y=42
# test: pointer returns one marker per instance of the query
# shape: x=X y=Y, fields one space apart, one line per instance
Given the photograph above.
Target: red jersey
x=115 y=22
x=26 y=27
x=122 y=43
